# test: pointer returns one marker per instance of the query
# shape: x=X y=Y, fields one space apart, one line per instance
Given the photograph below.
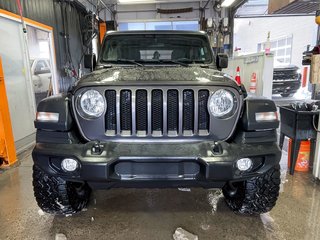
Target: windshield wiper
x=170 y=61
x=176 y=62
x=122 y=60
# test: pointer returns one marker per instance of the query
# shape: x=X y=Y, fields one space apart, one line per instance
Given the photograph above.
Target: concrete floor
x=155 y=214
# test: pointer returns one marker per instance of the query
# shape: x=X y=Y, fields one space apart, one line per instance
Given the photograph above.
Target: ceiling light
x=227 y=3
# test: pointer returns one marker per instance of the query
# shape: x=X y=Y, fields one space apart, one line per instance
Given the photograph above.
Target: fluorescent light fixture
x=47 y=117
x=227 y=3
x=148 y=1
x=266 y=116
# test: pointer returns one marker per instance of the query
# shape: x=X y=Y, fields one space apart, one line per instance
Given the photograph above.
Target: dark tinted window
x=150 y=47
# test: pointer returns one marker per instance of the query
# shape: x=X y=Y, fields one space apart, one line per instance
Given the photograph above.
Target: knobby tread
x=257 y=195
x=57 y=196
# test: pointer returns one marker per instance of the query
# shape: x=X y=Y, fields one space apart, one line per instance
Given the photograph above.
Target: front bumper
x=156 y=164
x=285 y=86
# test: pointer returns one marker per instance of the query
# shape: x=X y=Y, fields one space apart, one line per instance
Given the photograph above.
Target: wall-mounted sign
x=253 y=59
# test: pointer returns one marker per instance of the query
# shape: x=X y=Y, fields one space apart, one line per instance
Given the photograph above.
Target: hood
x=156 y=75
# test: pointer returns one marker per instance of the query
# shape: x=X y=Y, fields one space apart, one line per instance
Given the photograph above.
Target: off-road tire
x=255 y=196
x=57 y=196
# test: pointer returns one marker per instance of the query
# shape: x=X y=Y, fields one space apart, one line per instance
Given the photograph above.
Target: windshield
x=156 y=48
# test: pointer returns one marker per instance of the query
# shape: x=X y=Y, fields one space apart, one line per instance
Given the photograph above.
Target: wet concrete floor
x=155 y=214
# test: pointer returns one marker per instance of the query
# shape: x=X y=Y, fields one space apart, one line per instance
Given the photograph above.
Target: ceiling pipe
x=203 y=9
x=207 y=4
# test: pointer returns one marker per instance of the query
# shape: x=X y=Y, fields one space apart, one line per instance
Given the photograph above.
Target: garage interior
x=273 y=49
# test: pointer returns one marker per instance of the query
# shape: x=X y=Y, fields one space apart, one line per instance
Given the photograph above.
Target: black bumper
x=285 y=87
x=156 y=164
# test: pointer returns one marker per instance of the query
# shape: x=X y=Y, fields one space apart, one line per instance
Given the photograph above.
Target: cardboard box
x=315 y=69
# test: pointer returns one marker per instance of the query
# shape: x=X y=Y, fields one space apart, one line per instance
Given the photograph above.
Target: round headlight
x=92 y=104
x=221 y=103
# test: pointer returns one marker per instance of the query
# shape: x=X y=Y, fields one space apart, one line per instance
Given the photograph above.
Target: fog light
x=69 y=164
x=244 y=164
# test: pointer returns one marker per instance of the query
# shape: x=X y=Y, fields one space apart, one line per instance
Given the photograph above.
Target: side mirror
x=90 y=61
x=222 y=60
x=42 y=71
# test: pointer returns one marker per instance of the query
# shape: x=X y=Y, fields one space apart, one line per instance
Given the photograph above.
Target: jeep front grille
x=157 y=112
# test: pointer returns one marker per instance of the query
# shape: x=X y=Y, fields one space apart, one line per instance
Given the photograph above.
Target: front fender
x=258 y=105
x=56 y=104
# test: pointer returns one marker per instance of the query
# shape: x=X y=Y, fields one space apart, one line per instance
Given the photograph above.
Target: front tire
x=255 y=196
x=57 y=196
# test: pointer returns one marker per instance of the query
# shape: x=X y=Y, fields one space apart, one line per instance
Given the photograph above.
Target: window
x=186 y=25
x=158 y=54
x=131 y=26
x=41 y=65
x=163 y=25
x=281 y=49
x=158 y=26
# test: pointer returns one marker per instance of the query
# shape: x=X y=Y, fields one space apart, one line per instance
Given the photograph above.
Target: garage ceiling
x=142 y=1
x=148 y=6
x=149 y=1
x=232 y=3
x=90 y=3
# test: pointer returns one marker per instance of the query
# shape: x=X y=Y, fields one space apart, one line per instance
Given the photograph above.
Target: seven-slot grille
x=157 y=112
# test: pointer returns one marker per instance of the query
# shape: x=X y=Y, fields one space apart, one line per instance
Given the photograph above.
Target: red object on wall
x=304 y=76
x=253 y=83
x=238 y=78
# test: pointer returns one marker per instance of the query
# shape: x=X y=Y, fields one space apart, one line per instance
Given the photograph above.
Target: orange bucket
x=303 y=159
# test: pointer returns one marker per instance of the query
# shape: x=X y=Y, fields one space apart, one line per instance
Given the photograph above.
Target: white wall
x=248 y=32
x=261 y=65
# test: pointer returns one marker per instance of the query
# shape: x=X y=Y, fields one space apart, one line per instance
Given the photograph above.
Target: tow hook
x=217 y=149
x=97 y=148
x=230 y=189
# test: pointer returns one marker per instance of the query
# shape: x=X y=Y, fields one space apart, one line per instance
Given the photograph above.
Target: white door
x=18 y=81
